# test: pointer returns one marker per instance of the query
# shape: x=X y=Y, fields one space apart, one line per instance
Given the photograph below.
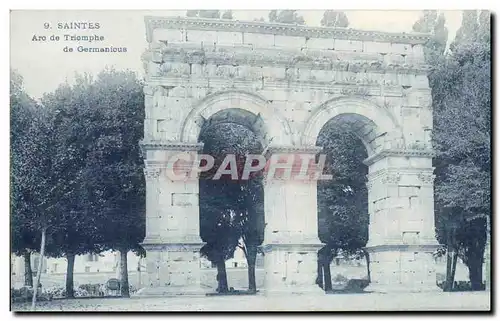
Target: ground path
x=332 y=302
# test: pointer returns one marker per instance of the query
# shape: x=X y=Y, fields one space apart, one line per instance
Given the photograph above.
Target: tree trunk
x=251 y=258
x=476 y=275
x=221 y=277
x=454 y=260
x=328 y=276
x=124 y=287
x=139 y=281
x=367 y=257
x=28 y=272
x=69 y=276
x=39 y=272
x=448 y=284
x=319 y=278
x=252 y=285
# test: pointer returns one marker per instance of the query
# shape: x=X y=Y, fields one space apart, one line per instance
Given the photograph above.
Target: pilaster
x=291 y=240
x=401 y=232
x=172 y=239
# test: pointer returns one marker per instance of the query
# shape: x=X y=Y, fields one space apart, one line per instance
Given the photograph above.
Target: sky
x=44 y=65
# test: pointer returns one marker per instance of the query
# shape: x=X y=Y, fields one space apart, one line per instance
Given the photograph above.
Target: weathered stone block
x=401 y=48
x=258 y=40
x=289 y=42
x=395 y=58
x=197 y=70
x=235 y=38
x=208 y=38
x=321 y=75
x=376 y=47
x=168 y=35
x=348 y=45
x=420 y=81
x=418 y=51
x=273 y=72
x=184 y=199
x=320 y=43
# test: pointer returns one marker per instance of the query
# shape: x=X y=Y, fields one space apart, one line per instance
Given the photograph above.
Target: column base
x=291 y=269
x=172 y=269
x=402 y=268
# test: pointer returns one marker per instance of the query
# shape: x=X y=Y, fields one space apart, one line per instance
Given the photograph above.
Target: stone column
x=401 y=231
x=291 y=240
x=172 y=239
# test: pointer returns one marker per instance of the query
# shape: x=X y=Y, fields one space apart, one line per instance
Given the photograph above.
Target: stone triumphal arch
x=286 y=82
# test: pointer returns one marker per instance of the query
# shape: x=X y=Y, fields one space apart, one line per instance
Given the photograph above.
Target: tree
x=210 y=14
x=342 y=202
x=227 y=15
x=24 y=239
x=113 y=175
x=286 y=16
x=76 y=232
x=99 y=125
x=251 y=223
x=462 y=105
x=230 y=210
x=431 y=22
x=46 y=188
x=333 y=18
x=467 y=33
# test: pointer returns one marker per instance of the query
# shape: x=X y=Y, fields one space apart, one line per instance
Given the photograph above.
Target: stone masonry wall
x=189 y=59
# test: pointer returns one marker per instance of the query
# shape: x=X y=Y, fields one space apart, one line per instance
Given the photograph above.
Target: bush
x=461 y=286
x=356 y=285
x=56 y=292
x=93 y=289
x=25 y=294
x=339 y=278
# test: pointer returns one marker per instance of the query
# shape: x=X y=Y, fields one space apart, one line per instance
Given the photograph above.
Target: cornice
x=153 y=22
x=289 y=58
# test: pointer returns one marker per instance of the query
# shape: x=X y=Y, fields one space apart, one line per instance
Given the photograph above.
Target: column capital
x=293 y=149
x=152 y=173
x=427 y=178
x=386 y=176
x=427 y=153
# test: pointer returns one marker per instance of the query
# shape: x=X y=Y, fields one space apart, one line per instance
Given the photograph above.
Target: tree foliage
x=334 y=18
x=286 y=16
x=23 y=117
x=342 y=201
x=77 y=169
x=462 y=137
x=431 y=22
x=210 y=14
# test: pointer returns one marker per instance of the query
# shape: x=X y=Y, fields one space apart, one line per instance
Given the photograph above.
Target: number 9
x=46 y=25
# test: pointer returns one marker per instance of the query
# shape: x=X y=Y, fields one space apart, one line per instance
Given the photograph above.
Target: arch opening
x=342 y=203
x=232 y=210
x=245 y=108
x=372 y=124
